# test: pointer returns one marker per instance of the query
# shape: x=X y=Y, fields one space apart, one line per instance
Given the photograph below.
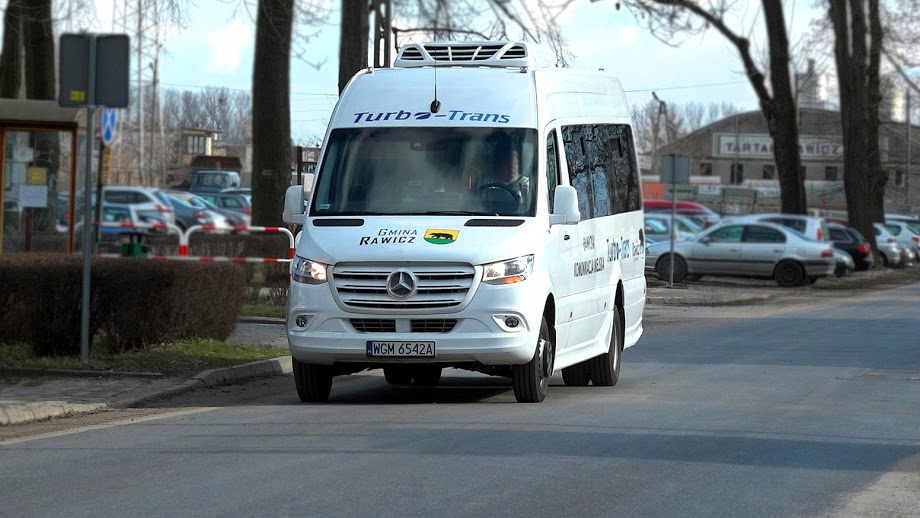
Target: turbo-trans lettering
x=453 y=115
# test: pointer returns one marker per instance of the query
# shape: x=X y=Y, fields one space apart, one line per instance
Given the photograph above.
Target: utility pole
x=907 y=178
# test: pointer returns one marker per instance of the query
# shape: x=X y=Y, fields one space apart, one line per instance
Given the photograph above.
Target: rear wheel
x=605 y=369
x=314 y=382
x=663 y=268
x=397 y=375
x=789 y=274
x=426 y=375
x=530 y=379
x=576 y=375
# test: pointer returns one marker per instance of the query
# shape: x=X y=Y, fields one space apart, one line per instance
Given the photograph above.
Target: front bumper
x=820 y=268
x=333 y=334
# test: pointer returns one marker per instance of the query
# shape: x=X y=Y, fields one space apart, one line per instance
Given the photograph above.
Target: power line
x=687 y=86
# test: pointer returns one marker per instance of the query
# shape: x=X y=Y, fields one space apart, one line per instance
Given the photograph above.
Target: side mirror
x=294 y=205
x=565 y=206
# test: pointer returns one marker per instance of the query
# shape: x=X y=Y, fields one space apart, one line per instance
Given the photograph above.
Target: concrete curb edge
x=210 y=378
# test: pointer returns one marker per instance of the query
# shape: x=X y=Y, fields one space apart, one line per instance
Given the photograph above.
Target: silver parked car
x=760 y=250
x=907 y=235
x=658 y=227
x=893 y=254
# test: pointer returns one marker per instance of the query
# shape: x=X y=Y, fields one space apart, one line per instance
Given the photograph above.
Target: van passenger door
x=561 y=245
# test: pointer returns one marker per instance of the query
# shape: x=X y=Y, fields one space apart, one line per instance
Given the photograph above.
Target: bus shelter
x=40 y=150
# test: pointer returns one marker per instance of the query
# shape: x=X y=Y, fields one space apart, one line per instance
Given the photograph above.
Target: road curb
x=708 y=300
x=22 y=414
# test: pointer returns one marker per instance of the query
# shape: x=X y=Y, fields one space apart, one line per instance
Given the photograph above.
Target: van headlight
x=508 y=272
x=308 y=271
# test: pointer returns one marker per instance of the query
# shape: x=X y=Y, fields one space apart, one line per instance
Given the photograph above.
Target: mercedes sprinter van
x=474 y=207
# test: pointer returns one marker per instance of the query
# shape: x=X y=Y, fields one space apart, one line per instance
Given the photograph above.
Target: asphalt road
x=809 y=410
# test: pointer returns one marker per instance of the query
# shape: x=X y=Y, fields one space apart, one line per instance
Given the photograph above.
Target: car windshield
x=419 y=171
x=656 y=226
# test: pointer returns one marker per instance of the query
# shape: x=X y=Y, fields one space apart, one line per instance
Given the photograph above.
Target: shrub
x=135 y=302
x=42 y=299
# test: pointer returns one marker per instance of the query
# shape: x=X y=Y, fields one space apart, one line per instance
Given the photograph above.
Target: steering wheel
x=499 y=186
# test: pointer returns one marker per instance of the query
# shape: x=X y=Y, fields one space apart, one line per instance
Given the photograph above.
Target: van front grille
x=434 y=325
x=373 y=325
x=436 y=286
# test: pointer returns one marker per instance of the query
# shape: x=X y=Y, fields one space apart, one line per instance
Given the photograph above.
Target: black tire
x=426 y=375
x=694 y=278
x=576 y=375
x=314 y=382
x=530 y=379
x=789 y=274
x=812 y=280
x=663 y=266
x=605 y=369
x=397 y=375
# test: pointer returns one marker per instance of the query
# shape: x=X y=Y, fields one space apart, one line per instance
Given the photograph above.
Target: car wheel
x=605 y=369
x=885 y=262
x=576 y=375
x=426 y=375
x=397 y=375
x=663 y=267
x=530 y=379
x=789 y=274
x=314 y=382
x=812 y=280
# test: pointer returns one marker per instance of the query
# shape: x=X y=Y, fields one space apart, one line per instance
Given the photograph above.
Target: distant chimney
x=808 y=87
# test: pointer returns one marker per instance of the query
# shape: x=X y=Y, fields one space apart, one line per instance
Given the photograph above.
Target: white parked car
x=893 y=254
x=907 y=234
x=812 y=227
x=144 y=200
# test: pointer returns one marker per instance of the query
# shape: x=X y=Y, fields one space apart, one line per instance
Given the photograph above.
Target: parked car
x=907 y=237
x=760 y=250
x=235 y=219
x=146 y=200
x=229 y=201
x=691 y=209
x=658 y=226
x=191 y=212
x=893 y=254
x=214 y=181
x=844 y=263
x=813 y=227
x=849 y=240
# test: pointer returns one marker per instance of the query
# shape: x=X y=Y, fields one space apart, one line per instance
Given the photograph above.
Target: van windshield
x=428 y=171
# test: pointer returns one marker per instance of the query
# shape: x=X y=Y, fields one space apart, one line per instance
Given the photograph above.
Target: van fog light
x=302 y=321
x=510 y=323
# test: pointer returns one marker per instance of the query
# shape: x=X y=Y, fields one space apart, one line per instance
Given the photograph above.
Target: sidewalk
x=25 y=399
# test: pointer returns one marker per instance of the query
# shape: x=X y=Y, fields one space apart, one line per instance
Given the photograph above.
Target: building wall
x=744 y=139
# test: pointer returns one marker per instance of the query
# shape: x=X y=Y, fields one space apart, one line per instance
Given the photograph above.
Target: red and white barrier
x=241 y=229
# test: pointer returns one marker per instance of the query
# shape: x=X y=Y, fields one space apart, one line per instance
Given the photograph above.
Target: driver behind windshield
x=506 y=175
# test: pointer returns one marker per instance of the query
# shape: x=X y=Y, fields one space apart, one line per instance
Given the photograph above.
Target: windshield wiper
x=458 y=213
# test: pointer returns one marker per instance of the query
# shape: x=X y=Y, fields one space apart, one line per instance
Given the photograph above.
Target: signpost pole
x=673 y=226
x=87 y=201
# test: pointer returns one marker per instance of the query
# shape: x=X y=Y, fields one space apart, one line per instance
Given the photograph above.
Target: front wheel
x=313 y=382
x=531 y=379
x=605 y=369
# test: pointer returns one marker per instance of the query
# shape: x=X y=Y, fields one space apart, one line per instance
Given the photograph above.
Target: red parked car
x=691 y=209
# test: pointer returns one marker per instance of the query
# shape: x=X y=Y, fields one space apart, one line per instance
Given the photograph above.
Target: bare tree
x=353 y=40
x=848 y=18
x=11 y=58
x=669 y=19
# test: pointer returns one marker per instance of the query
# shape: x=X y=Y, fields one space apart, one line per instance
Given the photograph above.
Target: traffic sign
x=109 y=126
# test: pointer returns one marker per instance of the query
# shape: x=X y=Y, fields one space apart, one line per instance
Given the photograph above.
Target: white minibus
x=473 y=207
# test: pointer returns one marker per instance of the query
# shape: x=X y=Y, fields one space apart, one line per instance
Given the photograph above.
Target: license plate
x=396 y=349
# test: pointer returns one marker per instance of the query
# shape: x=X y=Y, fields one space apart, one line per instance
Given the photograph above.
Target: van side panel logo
x=440 y=236
x=453 y=115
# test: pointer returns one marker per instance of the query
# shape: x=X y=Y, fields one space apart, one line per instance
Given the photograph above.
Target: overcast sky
x=217 y=49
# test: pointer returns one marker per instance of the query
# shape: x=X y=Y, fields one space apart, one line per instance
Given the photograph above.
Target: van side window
x=573 y=140
x=552 y=168
x=619 y=162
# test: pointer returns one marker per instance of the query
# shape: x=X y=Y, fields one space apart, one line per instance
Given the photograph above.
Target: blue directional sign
x=109 y=126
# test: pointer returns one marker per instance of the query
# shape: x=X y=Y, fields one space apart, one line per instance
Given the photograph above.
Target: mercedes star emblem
x=401 y=284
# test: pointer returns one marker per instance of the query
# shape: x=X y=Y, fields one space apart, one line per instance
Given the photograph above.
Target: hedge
x=135 y=302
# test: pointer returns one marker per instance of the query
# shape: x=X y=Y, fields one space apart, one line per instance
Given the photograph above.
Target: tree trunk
x=353 y=42
x=877 y=177
x=11 y=58
x=38 y=40
x=271 y=111
x=851 y=73
x=782 y=117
